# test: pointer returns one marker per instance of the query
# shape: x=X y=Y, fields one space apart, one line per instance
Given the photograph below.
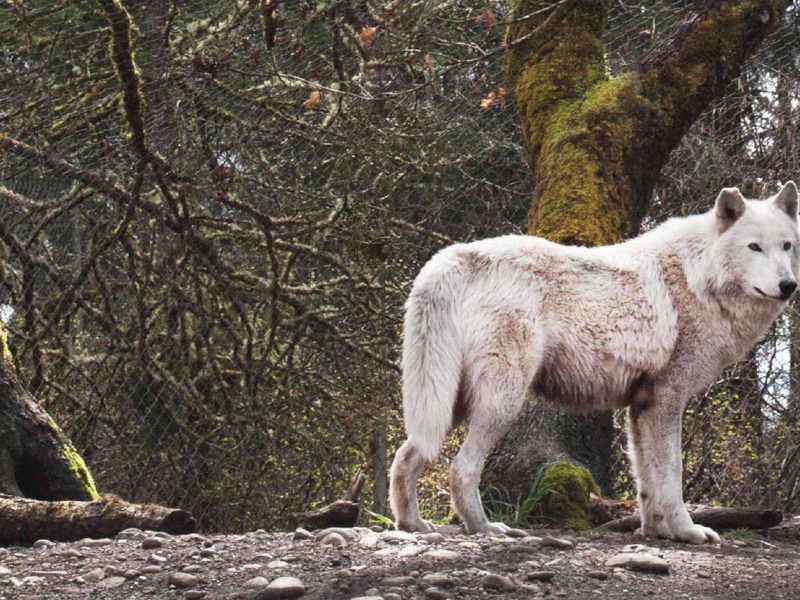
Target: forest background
x=218 y=328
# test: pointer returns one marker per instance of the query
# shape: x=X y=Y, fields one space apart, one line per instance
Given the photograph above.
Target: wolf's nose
x=787 y=286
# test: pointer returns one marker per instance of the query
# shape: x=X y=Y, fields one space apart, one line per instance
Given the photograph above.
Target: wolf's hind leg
x=406 y=469
x=488 y=424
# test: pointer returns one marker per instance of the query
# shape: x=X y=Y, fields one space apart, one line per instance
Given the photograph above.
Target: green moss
x=4 y=350
x=567 y=504
x=76 y=464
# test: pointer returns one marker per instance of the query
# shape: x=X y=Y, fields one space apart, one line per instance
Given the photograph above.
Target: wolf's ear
x=729 y=207
x=786 y=199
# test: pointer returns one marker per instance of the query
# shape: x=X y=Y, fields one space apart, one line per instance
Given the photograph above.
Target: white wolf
x=645 y=324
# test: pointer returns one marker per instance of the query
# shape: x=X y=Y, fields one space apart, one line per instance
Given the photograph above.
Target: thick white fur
x=644 y=324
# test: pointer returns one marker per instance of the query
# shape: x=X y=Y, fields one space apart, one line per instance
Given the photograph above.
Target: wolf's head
x=757 y=246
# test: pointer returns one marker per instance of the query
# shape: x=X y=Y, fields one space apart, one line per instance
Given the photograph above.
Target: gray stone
x=132 y=533
x=540 y=575
x=436 y=593
x=348 y=533
x=92 y=543
x=400 y=580
x=597 y=574
x=192 y=569
x=43 y=544
x=282 y=588
x=150 y=569
x=438 y=579
x=4 y=571
x=182 y=580
x=256 y=583
x=517 y=533
x=554 y=542
x=334 y=539
x=194 y=595
x=441 y=554
x=432 y=538
x=152 y=543
x=398 y=537
x=111 y=582
x=639 y=561
x=94 y=575
x=303 y=534
x=498 y=582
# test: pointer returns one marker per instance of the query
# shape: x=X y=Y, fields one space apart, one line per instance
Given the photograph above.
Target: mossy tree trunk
x=596 y=145
x=36 y=458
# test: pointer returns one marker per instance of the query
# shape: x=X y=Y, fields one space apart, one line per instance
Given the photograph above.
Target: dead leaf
x=367 y=37
x=314 y=99
x=486 y=17
x=487 y=102
x=501 y=96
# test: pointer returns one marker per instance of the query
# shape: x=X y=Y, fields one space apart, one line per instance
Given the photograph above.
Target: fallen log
x=788 y=531
x=23 y=520
x=341 y=513
x=720 y=518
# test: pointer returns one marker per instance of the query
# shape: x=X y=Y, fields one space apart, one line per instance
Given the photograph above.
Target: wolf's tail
x=432 y=358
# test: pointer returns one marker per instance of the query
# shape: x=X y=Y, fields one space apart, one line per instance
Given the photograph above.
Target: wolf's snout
x=787 y=286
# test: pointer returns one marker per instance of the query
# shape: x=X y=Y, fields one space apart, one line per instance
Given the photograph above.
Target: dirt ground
x=358 y=563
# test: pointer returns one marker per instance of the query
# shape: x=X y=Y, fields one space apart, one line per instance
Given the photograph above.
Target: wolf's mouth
x=768 y=296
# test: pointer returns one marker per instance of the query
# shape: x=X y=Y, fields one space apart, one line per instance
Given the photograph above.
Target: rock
x=376 y=528
x=369 y=540
x=498 y=582
x=348 y=533
x=207 y=552
x=192 y=569
x=639 y=561
x=441 y=554
x=334 y=539
x=92 y=543
x=554 y=542
x=277 y=564
x=368 y=598
x=282 y=588
x=94 y=575
x=303 y=534
x=150 y=569
x=540 y=575
x=43 y=544
x=131 y=533
x=436 y=593
x=256 y=583
x=400 y=581
x=438 y=579
x=182 y=580
x=4 y=571
x=111 y=582
x=597 y=574
x=410 y=550
x=432 y=538
x=157 y=559
x=152 y=543
x=398 y=537
x=194 y=595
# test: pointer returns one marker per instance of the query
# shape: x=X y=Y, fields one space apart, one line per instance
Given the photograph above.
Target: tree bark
x=36 y=458
x=596 y=145
x=23 y=521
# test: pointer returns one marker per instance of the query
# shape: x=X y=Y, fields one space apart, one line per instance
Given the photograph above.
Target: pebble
x=4 y=571
x=303 y=534
x=111 y=582
x=441 y=554
x=554 y=542
x=498 y=582
x=256 y=583
x=438 y=579
x=282 y=588
x=540 y=575
x=517 y=533
x=432 y=538
x=436 y=593
x=398 y=537
x=151 y=569
x=194 y=595
x=639 y=561
x=334 y=539
x=597 y=574
x=94 y=575
x=152 y=543
x=401 y=581
x=43 y=544
x=92 y=543
x=369 y=540
x=182 y=580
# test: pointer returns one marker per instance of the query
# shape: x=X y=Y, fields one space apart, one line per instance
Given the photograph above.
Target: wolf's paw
x=417 y=525
x=696 y=534
x=496 y=528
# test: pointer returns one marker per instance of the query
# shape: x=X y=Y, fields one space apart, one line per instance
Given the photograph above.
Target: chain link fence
x=212 y=213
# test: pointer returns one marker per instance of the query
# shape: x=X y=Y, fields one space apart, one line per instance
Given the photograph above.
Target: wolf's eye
x=754 y=247
x=787 y=245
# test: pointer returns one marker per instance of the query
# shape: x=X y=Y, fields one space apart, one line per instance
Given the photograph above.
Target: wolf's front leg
x=654 y=433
